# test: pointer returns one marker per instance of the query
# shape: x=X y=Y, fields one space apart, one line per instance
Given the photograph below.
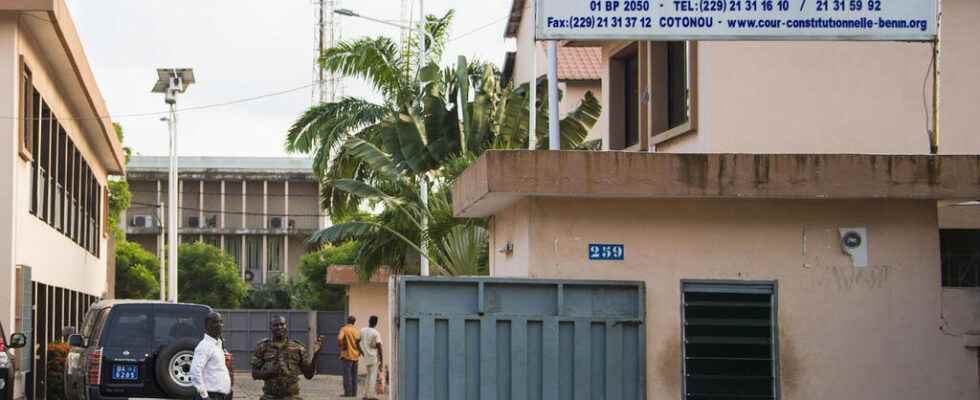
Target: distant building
x=59 y=151
x=259 y=211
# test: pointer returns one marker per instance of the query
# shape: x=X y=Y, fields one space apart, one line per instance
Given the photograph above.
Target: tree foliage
x=119 y=196
x=136 y=272
x=313 y=268
x=208 y=276
x=399 y=157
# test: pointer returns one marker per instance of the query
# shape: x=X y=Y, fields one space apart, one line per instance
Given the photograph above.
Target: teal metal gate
x=520 y=339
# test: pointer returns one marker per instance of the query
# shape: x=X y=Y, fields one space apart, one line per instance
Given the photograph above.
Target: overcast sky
x=239 y=49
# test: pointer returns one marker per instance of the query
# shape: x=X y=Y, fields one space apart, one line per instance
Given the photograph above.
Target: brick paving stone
x=321 y=387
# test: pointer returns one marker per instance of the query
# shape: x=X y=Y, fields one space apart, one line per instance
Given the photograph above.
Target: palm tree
x=379 y=154
x=324 y=128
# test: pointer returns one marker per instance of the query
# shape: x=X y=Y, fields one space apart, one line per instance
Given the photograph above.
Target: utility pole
x=171 y=82
x=161 y=243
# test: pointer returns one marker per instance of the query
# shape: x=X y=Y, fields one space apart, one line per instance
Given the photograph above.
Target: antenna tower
x=326 y=34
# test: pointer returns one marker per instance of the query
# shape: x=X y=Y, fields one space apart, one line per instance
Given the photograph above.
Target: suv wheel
x=174 y=366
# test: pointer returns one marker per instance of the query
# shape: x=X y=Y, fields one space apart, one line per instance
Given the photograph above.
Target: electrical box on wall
x=854 y=243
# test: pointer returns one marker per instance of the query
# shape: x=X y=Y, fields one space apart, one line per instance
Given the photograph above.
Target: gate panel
x=245 y=328
x=520 y=339
x=328 y=325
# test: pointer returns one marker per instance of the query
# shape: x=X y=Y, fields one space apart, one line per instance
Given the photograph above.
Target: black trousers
x=214 y=396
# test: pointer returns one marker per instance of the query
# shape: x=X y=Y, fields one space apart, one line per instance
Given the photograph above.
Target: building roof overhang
x=500 y=178
x=347 y=275
x=51 y=26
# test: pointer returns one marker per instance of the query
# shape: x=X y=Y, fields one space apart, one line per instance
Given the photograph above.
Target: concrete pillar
x=200 y=208
x=285 y=251
x=244 y=226
x=222 y=216
x=244 y=264
x=180 y=206
x=265 y=227
x=244 y=206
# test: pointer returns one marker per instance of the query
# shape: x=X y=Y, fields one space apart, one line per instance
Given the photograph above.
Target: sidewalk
x=326 y=387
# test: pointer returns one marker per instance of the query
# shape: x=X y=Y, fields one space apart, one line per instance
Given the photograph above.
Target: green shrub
x=208 y=276
x=57 y=353
x=137 y=272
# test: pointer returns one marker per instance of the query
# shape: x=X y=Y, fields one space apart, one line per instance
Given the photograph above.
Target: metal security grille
x=730 y=343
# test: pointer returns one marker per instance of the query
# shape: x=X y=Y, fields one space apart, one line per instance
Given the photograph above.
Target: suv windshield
x=149 y=327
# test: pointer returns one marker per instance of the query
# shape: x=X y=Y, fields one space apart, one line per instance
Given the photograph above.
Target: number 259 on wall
x=607 y=252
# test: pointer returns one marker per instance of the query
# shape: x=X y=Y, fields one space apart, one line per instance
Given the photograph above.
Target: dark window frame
x=44 y=172
x=959 y=251
x=26 y=131
x=35 y=143
x=732 y=287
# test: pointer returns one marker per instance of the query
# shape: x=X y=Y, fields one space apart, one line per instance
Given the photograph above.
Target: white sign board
x=662 y=20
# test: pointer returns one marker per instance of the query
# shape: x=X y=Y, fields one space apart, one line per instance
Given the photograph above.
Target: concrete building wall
x=365 y=300
x=59 y=261
x=304 y=204
x=10 y=214
x=844 y=332
x=833 y=97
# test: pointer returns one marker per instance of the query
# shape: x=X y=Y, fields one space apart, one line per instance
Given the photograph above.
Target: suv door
x=76 y=363
x=126 y=343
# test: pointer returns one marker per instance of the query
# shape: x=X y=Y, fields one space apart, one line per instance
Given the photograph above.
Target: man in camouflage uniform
x=280 y=361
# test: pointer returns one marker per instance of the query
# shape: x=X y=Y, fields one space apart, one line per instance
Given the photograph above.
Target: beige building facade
x=61 y=150
x=259 y=211
x=796 y=172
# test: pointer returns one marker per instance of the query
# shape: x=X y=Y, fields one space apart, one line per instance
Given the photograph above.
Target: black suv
x=129 y=349
x=17 y=340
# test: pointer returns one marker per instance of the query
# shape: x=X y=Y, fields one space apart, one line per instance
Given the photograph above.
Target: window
x=653 y=93
x=59 y=177
x=730 y=345
x=673 y=76
x=624 y=70
x=105 y=212
x=253 y=253
x=960 y=250
x=128 y=329
x=212 y=240
x=233 y=248
x=275 y=253
x=170 y=327
x=27 y=112
x=45 y=160
x=631 y=101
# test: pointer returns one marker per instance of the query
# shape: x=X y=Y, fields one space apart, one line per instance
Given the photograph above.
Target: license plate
x=125 y=372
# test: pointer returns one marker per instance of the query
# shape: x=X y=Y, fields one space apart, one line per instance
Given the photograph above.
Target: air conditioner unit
x=141 y=221
x=276 y=223
x=194 y=222
x=213 y=221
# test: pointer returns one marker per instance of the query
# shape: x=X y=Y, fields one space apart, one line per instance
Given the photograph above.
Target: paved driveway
x=326 y=387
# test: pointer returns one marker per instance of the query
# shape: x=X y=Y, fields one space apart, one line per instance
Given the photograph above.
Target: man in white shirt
x=373 y=357
x=209 y=374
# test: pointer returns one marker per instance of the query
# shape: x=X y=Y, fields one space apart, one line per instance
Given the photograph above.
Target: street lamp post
x=171 y=82
x=423 y=58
